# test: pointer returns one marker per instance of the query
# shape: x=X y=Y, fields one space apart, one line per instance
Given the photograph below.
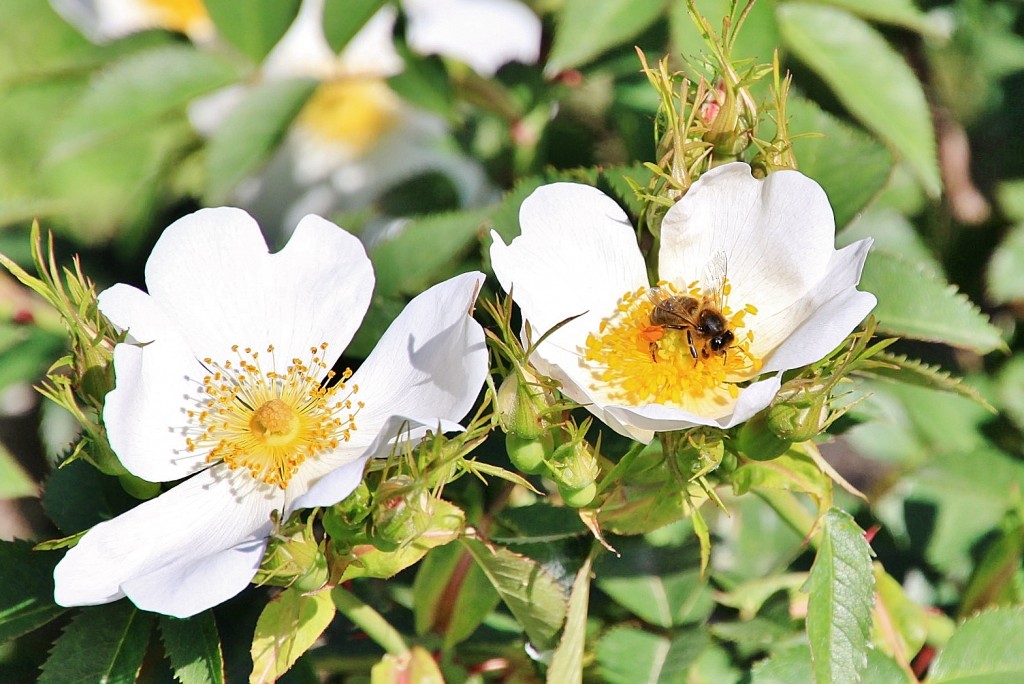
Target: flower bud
x=521 y=406
x=294 y=561
x=349 y=513
x=758 y=442
x=529 y=455
x=401 y=512
x=574 y=469
x=800 y=418
x=725 y=113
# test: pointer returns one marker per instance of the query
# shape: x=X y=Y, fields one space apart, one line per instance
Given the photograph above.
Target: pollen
x=638 y=363
x=266 y=421
x=354 y=112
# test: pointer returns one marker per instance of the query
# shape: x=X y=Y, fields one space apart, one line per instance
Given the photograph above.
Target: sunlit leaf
x=529 y=591
x=425 y=251
x=567 y=661
x=662 y=585
x=899 y=368
x=255 y=26
x=915 y=303
x=584 y=30
x=986 y=649
x=793 y=471
x=418 y=666
x=841 y=588
x=792 y=666
x=101 y=644
x=1004 y=278
x=193 y=647
x=446 y=525
x=898 y=12
x=250 y=132
x=825 y=156
x=626 y=655
x=14 y=481
x=994 y=581
x=136 y=91
x=451 y=594
x=881 y=91
x=900 y=625
x=287 y=628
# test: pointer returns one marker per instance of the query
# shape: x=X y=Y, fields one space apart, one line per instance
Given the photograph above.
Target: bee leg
x=653 y=347
x=689 y=342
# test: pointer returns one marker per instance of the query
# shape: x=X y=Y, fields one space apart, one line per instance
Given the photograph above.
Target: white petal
x=102 y=21
x=182 y=590
x=303 y=51
x=331 y=487
x=429 y=365
x=371 y=52
x=485 y=34
x=176 y=535
x=659 y=418
x=145 y=412
x=577 y=254
x=815 y=325
x=777 y=234
x=212 y=274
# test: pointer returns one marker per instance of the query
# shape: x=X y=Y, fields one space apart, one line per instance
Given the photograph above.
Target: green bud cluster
x=402 y=509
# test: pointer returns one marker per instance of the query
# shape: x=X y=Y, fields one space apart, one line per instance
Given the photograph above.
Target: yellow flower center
x=641 y=363
x=354 y=112
x=179 y=15
x=270 y=422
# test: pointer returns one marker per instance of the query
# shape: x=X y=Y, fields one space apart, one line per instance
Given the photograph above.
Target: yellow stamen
x=644 y=364
x=355 y=112
x=269 y=422
x=179 y=15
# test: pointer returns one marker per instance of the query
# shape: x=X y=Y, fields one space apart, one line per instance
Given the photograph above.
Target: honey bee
x=707 y=329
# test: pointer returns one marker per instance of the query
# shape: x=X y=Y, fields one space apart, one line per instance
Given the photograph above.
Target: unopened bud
x=574 y=469
x=349 y=513
x=800 y=418
x=401 y=512
x=758 y=442
x=520 y=407
x=729 y=123
x=529 y=455
x=294 y=561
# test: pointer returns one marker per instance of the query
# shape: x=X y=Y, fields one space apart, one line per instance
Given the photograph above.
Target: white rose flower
x=759 y=252
x=225 y=384
x=102 y=21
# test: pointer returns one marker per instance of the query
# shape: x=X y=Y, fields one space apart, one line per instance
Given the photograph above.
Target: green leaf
x=897 y=12
x=893 y=233
x=567 y=662
x=539 y=523
x=427 y=250
x=77 y=496
x=193 y=647
x=791 y=666
x=288 y=626
x=101 y=644
x=915 y=303
x=344 y=18
x=446 y=525
x=756 y=40
x=869 y=77
x=793 y=471
x=1009 y=390
x=585 y=29
x=841 y=588
x=530 y=592
x=899 y=368
x=661 y=585
x=136 y=91
x=250 y=132
x=827 y=158
x=253 y=26
x=1004 y=277
x=14 y=481
x=26 y=589
x=626 y=655
x=27 y=353
x=451 y=594
x=986 y=649
x=900 y=625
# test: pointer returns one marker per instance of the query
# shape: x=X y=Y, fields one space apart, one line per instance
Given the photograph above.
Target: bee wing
x=715 y=272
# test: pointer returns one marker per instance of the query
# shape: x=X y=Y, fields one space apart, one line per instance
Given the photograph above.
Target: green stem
x=792 y=513
x=370 y=621
x=615 y=474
